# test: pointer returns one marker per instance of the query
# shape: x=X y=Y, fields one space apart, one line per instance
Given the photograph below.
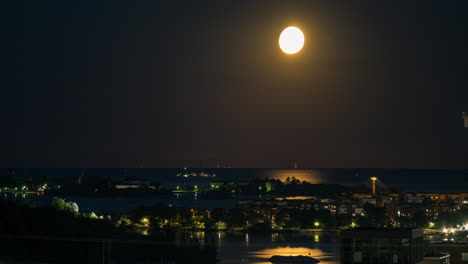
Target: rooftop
x=451 y=243
x=436 y=254
x=381 y=232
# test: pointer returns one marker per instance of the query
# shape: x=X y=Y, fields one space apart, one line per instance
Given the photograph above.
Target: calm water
x=234 y=248
x=405 y=180
x=122 y=205
x=126 y=204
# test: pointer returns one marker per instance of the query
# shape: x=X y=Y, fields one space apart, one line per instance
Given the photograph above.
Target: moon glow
x=291 y=40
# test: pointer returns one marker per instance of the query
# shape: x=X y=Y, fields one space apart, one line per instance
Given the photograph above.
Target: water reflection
x=237 y=247
x=221 y=236
x=262 y=256
x=274 y=237
x=312 y=176
x=199 y=234
x=316 y=238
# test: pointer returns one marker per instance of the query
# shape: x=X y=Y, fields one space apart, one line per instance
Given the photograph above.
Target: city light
x=145 y=221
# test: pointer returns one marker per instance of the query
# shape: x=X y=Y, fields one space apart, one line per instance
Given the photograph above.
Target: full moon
x=291 y=40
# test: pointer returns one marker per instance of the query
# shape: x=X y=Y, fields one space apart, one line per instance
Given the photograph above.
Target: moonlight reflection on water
x=262 y=256
x=311 y=176
x=238 y=248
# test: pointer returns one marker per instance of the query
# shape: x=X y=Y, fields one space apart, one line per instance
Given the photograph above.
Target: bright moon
x=291 y=40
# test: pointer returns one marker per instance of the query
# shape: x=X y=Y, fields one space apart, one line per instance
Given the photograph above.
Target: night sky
x=195 y=83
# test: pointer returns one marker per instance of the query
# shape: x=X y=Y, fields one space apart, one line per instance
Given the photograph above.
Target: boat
x=293 y=260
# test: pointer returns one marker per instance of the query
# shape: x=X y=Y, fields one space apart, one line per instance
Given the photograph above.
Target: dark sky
x=193 y=83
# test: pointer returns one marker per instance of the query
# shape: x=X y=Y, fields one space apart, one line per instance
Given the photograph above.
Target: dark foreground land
x=49 y=235
x=69 y=250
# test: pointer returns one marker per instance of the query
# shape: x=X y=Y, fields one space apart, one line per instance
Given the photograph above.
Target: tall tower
x=465 y=117
x=373 y=179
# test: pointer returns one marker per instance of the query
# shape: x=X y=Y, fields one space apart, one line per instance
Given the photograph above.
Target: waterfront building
x=433 y=257
x=382 y=246
x=370 y=200
x=458 y=251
